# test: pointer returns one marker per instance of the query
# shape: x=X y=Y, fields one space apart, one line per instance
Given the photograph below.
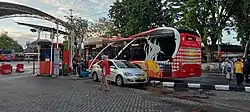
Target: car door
x=112 y=71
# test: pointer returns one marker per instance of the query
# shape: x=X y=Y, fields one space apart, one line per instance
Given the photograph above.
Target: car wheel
x=95 y=77
x=119 y=80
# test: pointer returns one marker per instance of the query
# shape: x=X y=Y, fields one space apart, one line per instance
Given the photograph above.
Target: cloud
x=20 y=35
x=59 y=8
x=51 y=2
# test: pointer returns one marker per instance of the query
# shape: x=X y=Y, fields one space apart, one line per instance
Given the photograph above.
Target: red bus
x=7 y=55
x=163 y=52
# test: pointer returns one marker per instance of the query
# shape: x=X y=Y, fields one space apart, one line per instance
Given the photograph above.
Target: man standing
x=223 y=67
x=229 y=70
x=105 y=72
x=238 y=68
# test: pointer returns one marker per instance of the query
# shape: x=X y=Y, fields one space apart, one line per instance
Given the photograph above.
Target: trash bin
x=84 y=73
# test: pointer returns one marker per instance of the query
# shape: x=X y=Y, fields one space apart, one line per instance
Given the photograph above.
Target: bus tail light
x=181 y=66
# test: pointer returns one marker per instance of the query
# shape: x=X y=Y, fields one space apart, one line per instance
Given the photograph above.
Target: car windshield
x=124 y=64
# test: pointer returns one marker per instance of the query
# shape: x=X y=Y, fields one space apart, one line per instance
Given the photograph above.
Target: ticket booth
x=45 y=57
x=46 y=60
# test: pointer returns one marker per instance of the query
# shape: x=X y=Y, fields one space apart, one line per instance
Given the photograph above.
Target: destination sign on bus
x=190 y=38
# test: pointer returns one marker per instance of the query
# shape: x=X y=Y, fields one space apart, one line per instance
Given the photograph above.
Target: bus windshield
x=124 y=64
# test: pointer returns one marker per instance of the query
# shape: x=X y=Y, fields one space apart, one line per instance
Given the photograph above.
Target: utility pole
x=71 y=38
x=219 y=38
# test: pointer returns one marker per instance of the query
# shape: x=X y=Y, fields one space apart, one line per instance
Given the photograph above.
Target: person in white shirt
x=229 y=70
x=223 y=67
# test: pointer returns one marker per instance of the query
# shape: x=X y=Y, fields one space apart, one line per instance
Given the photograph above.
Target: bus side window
x=137 y=50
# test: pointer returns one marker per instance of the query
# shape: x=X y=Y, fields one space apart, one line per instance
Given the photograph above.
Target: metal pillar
x=71 y=50
x=38 y=50
x=51 y=52
x=57 y=35
x=71 y=40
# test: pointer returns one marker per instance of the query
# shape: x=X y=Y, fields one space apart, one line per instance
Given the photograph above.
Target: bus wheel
x=149 y=79
x=95 y=77
x=119 y=80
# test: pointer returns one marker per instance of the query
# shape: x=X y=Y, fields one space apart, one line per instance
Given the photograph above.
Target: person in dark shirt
x=74 y=65
x=247 y=70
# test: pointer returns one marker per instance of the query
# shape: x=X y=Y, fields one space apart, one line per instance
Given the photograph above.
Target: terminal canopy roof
x=43 y=28
x=9 y=10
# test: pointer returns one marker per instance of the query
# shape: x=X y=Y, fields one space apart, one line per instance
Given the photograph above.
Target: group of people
x=240 y=68
x=82 y=64
x=79 y=64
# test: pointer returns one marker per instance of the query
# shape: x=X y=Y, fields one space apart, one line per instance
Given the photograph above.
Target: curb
x=203 y=86
x=215 y=74
x=70 y=77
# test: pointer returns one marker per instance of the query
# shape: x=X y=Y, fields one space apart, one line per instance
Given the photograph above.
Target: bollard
x=6 y=69
x=34 y=67
x=19 y=68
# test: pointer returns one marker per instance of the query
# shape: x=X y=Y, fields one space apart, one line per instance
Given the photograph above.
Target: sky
x=88 y=9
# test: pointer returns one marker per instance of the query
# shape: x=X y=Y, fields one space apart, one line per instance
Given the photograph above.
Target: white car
x=121 y=72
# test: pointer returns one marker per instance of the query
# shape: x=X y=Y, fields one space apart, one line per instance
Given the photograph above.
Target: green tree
x=66 y=43
x=134 y=16
x=242 y=23
x=118 y=15
x=104 y=27
x=209 y=18
x=81 y=27
x=7 y=42
x=173 y=11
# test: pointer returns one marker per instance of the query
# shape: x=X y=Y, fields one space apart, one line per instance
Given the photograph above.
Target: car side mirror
x=113 y=67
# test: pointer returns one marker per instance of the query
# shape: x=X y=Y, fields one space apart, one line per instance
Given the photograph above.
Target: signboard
x=220 y=56
x=57 y=61
x=45 y=53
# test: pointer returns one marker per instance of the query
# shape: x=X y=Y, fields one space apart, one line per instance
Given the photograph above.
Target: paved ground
x=24 y=93
x=210 y=78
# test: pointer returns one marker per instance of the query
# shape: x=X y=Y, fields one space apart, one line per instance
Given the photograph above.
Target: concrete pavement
x=44 y=94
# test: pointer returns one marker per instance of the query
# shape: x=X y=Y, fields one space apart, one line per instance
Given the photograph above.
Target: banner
x=57 y=60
